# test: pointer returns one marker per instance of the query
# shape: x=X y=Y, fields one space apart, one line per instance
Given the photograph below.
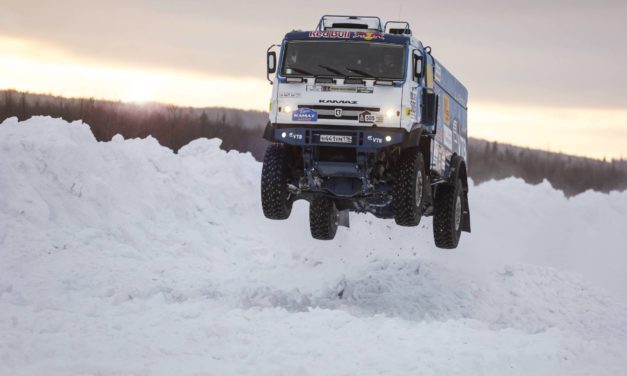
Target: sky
x=547 y=75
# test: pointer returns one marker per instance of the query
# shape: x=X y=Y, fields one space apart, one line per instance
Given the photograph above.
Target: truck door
x=414 y=109
x=429 y=98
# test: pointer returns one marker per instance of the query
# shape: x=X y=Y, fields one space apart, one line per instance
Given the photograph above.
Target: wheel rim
x=335 y=215
x=458 y=212
x=418 y=188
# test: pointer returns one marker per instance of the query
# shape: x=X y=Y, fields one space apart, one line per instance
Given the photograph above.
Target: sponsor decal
x=295 y=136
x=374 y=139
x=367 y=117
x=289 y=95
x=336 y=101
x=438 y=73
x=435 y=159
x=366 y=35
x=364 y=90
x=455 y=136
x=316 y=88
x=411 y=110
x=462 y=148
x=448 y=137
x=305 y=114
x=341 y=89
x=330 y=34
x=439 y=158
x=438 y=132
x=447 y=109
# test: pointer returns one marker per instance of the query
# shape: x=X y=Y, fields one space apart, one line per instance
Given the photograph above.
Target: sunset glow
x=34 y=67
x=592 y=132
x=39 y=68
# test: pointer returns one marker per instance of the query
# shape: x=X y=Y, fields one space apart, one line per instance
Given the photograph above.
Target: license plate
x=336 y=139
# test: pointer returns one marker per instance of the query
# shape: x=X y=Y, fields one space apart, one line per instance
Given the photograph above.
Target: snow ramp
x=124 y=258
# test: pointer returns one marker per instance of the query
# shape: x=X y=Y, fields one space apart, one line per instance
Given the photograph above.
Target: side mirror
x=417 y=67
x=271 y=62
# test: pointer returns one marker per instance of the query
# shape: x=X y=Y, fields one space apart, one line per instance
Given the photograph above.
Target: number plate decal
x=336 y=139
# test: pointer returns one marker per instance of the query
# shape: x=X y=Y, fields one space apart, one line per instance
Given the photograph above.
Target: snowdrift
x=124 y=258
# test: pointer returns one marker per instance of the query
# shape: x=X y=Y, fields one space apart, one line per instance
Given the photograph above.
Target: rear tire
x=275 y=196
x=410 y=189
x=323 y=218
x=447 y=217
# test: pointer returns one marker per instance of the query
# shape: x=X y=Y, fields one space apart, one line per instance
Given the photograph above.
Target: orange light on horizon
x=34 y=67
x=39 y=68
x=590 y=132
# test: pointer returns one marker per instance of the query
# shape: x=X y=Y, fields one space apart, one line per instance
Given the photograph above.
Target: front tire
x=410 y=189
x=447 y=217
x=275 y=196
x=323 y=218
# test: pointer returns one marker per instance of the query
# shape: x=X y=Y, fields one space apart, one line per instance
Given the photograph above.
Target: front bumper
x=349 y=137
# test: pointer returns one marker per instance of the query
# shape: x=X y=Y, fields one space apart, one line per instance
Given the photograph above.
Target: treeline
x=570 y=174
x=175 y=126
x=172 y=126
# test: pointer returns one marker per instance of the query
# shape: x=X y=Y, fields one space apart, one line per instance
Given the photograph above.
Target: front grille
x=348 y=112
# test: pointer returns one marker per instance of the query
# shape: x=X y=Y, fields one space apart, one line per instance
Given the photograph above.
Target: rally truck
x=364 y=119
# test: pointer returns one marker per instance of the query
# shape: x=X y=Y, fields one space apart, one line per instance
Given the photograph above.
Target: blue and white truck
x=363 y=118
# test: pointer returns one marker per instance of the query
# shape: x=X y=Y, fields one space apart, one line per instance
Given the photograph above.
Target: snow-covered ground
x=124 y=258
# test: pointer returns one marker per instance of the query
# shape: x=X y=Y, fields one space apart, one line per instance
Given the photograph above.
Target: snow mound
x=124 y=258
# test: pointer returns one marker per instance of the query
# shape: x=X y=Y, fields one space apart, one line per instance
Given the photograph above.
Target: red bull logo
x=330 y=34
x=367 y=35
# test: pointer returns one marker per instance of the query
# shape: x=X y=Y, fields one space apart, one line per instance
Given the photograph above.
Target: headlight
x=288 y=109
x=390 y=113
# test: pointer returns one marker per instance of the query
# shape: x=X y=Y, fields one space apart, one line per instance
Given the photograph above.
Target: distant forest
x=175 y=126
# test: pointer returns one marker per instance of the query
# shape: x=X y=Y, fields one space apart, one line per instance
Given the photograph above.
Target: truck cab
x=363 y=118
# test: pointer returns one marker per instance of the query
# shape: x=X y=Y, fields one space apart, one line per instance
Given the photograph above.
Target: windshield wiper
x=302 y=71
x=360 y=72
x=332 y=70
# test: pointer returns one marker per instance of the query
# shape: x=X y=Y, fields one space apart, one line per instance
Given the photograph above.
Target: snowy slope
x=124 y=258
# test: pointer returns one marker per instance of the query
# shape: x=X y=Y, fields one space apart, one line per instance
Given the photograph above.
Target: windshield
x=345 y=59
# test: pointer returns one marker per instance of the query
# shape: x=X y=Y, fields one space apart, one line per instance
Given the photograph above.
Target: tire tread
x=321 y=222
x=406 y=213
x=444 y=233
x=274 y=179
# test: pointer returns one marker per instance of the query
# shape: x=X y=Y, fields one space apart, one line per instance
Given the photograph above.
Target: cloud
x=563 y=53
x=535 y=70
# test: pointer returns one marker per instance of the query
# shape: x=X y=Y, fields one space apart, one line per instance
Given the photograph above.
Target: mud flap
x=343 y=219
x=465 y=213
